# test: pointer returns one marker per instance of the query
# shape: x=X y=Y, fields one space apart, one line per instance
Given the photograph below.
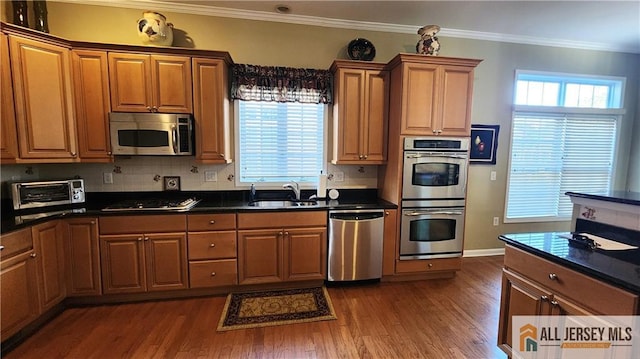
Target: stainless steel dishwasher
x=355 y=245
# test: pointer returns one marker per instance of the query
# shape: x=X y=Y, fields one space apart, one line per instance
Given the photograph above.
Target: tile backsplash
x=145 y=174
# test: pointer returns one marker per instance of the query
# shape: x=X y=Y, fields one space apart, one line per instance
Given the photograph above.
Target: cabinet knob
x=146 y=238
x=1 y=248
x=286 y=233
x=430 y=265
x=155 y=109
x=212 y=222
x=386 y=213
x=544 y=298
x=139 y=239
x=108 y=153
x=149 y=108
x=33 y=255
x=212 y=245
x=213 y=274
x=434 y=131
x=554 y=303
x=92 y=222
x=365 y=156
x=553 y=276
x=221 y=155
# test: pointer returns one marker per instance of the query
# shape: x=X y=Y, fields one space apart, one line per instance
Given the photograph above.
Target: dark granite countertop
x=618 y=268
x=210 y=202
x=632 y=198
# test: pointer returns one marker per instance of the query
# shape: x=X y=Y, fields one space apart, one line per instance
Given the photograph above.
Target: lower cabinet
x=152 y=260
x=535 y=286
x=83 y=257
x=270 y=250
x=18 y=284
x=48 y=243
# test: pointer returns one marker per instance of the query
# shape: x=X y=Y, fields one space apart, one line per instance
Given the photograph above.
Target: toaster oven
x=47 y=193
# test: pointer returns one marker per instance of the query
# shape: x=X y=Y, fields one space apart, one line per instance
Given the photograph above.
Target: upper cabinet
x=91 y=87
x=150 y=83
x=212 y=110
x=43 y=98
x=431 y=95
x=360 y=112
x=8 y=134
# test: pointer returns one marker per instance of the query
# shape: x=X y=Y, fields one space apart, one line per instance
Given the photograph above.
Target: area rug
x=277 y=307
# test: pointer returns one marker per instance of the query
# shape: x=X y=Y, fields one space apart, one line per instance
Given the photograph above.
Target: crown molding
x=346 y=24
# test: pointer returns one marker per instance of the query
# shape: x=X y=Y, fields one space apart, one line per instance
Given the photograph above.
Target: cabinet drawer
x=282 y=219
x=578 y=287
x=211 y=222
x=429 y=265
x=212 y=245
x=16 y=242
x=143 y=224
x=213 y=273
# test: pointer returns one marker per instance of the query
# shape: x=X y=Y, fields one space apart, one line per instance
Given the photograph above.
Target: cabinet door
x=19 y=293
x=419 y=98
x=211 y=111
x=130 y=82
x=171 y=83
x=122 y=262
x=519 y=297
x=305 y=254
x=83 y=257
x=260 y=256
x=454 y=109
x=389 y=245
x=48 y=243
x=350 y=115
x=374 y=130
x=91 y=86
x=43 y=100
x=8 y=133
x=166 y=258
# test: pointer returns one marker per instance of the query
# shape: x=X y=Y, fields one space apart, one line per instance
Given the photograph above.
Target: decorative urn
x=428 y=43
x=154 y=30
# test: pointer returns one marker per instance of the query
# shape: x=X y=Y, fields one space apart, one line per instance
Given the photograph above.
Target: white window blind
x=280 y=141
x=553 y=154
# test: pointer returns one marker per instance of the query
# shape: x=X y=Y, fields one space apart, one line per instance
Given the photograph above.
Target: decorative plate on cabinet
x=361 y=49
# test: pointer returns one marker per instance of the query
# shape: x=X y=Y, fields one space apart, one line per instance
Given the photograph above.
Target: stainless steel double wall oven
x=433 y=197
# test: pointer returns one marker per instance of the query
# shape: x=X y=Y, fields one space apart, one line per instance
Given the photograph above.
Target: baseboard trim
x=484 y=252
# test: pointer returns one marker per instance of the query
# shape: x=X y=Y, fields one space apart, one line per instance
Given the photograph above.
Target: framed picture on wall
x=484 y=144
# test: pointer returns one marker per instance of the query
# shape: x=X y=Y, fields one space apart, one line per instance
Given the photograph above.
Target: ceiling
x=598 y=25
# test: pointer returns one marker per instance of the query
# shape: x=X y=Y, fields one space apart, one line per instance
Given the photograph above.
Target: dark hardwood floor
x=444 y=318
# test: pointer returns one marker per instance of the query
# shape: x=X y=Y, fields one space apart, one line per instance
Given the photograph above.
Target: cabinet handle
x=544 y=298
x=33 y=255
x=553 y=276
x=554 y=303
x=212 y=245
x=149 y=108
x=213 y=274
x=212 y=222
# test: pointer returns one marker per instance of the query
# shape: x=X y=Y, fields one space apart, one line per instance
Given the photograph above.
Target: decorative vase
x=20 y=17
x=428 y=43
x=154 y=30
x=40 y=12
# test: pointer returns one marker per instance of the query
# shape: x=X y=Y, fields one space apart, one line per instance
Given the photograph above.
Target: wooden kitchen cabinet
x=389 y=251
x=8 y=132
x=150 y=83
x=360 y=112
x=212 y=110
x=48 y=243
x=431 y=95
x=43 y=98
x=154 y=258
x=83 y=257
x=91 y=90
x=18 y=283
x=271 y=249
x=535 y=286
x=212 y=250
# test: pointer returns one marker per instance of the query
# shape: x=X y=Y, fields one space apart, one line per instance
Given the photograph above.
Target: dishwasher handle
x=360 y=216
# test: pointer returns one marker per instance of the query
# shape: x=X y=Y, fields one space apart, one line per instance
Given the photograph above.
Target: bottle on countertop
x=321 y=192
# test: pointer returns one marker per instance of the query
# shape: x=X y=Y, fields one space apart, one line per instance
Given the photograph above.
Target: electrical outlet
x=107 y=178
x=338 y=176
x=496 y=221
x=493 y=175
x=210 y=176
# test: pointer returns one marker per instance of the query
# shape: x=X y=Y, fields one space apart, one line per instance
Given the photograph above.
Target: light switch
x=107 y=178
x=493 y=175
x=210 y=176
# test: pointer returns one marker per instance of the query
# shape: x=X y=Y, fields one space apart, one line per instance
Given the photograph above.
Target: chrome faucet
x=295 y=187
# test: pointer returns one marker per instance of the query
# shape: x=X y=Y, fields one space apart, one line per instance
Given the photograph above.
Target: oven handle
x=444 y=155
x=428 y=212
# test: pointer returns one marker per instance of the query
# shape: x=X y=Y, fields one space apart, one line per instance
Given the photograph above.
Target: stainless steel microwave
x=47 y=193
x=151 y=134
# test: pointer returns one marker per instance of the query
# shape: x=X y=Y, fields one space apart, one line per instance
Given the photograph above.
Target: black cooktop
x=152 y=204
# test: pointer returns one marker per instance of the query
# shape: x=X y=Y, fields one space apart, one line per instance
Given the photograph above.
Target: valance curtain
x=281 y=84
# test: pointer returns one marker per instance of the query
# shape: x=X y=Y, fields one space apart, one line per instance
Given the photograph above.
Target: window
x=280 y=141
x=569 y=147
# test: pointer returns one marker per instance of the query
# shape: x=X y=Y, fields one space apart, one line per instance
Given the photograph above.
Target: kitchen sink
x=282 y=203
